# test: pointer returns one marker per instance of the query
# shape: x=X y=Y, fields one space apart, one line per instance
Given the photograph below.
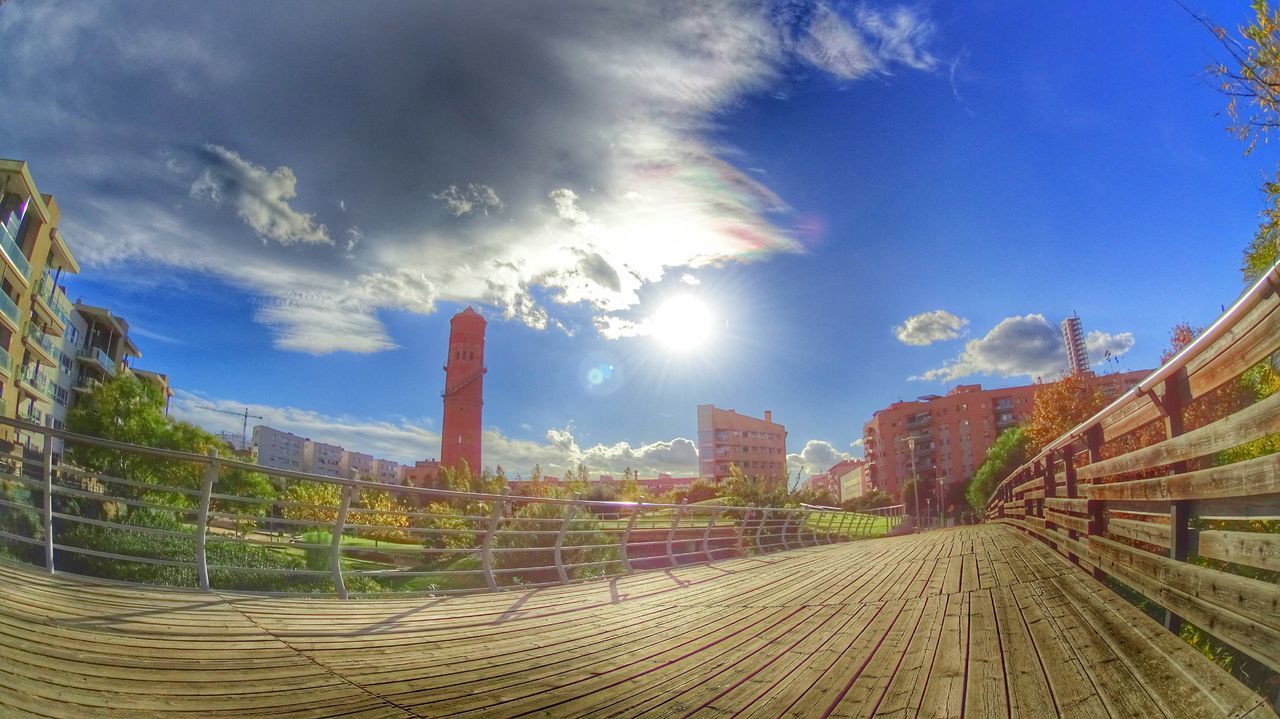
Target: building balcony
x=12 y=252
x=52 y=304
x=36 y=384
x=95 y=357
x=9 y=312
x=31 y=414
x=86 y=384
x=46 y=349
x=6 y=365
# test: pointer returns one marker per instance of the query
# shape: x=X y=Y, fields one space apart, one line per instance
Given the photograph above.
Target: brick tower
x=463 y=391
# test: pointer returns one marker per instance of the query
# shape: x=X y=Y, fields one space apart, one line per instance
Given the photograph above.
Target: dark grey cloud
x=157 y=125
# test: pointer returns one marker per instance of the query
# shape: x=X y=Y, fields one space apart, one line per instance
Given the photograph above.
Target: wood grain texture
x=975 y=621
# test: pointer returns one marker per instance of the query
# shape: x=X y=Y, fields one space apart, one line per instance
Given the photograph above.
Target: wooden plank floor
x=976 y=621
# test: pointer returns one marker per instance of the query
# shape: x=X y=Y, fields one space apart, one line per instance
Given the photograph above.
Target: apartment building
x=322 y=458
x=946 y=438
x=725 y=438
x=277 y=450
x=423 y=473
x=387 y=472
x=33 y=309
x=358 y=462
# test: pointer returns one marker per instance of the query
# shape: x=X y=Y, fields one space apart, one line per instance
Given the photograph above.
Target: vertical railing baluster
x=626 y=534
x=486 y=544
x=706 y=535
x=764 y=518
x=202 y=519
x=335 y=542
x=569 y=511
x=1097 y=508
x=786 y=543
x=47 y=471
x=671 y=534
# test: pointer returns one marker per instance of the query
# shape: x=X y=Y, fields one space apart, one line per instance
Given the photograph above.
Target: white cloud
x=1022 y=345
x=595 y=121
x=566 y=206
x=407 y=440
x=259 y=197
x=816 y=457
x=689 y=279
x=1103 y=346
x=929 y=327
x=1026 y=345
x=472 y=198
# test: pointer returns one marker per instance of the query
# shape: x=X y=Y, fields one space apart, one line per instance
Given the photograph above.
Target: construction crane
x=244 y=427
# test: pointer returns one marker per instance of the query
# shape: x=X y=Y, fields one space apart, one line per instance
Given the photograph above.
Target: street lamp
x=915 y=481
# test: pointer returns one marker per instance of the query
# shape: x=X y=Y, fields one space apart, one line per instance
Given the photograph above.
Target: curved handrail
x=448 y=539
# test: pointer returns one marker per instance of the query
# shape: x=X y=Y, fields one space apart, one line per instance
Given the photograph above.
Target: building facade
x=34 y=311
x=725 y=438
x=358 y=462
x=1077 y=353
x=463 y=391
x=322 y=458
x=277 y=450
x=945 y=438
x=423 y=473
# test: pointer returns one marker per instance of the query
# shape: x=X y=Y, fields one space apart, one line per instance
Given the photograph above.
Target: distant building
x=757 y=446
x=463 y=391
x=823 y=482
x=276 y=449
x=952 y=434
x=423 y=473
x=847 y=477
x=1077 y=352
x=322 y=458
x=358 y=462
x=387 y=471
x=664 y=483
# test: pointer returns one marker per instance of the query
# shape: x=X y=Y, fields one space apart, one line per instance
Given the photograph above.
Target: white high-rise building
x=1077 y=353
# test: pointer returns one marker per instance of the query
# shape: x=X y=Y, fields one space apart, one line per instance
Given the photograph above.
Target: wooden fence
x=1174 y=488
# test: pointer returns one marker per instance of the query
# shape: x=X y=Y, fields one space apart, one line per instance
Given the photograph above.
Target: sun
x=682 y=323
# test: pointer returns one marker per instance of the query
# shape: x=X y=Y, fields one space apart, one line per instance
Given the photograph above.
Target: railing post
x=764 y=519
x=671 y=534
x=1097 y=508
x=626 y=534
x=335 y=541
x=47 y=470
x=1171 y=402
x=706 y=535
x=202 y=520
x=569 y=511
x=813 y=528
x=486 y=544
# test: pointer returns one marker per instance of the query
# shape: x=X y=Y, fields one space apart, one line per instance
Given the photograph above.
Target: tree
x=630 y=489
x=1251 y=82
x=1006 y=454
x=1061 y=406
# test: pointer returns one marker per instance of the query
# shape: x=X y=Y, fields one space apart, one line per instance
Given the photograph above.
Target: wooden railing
x=1161 y=494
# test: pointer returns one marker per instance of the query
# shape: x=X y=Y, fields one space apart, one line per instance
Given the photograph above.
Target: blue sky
x=289 y=205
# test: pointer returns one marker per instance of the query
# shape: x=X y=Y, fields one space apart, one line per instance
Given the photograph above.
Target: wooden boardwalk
x=977 y=621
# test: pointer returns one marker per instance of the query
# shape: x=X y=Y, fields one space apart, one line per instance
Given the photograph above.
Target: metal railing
x=9 y=245
x=155 y=516
x=37 y=381
x=57 y=302
x=98 y=356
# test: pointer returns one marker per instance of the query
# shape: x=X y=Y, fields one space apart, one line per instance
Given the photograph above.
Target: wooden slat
x=1079 y=524
x=1238 y=610
x=1253 y=549
x=1254 y=476
x=1149 y=532
x=1064 y=504
x=1257 y=420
